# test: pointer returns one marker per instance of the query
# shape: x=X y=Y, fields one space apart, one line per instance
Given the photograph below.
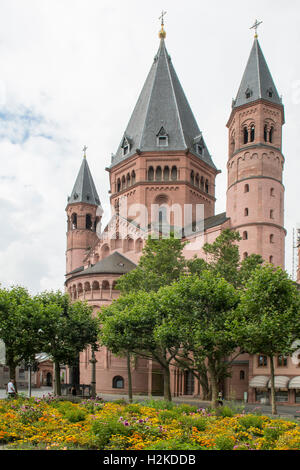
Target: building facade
x=160 y=175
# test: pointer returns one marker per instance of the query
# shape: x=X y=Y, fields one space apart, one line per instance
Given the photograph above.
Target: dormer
x=162 y=138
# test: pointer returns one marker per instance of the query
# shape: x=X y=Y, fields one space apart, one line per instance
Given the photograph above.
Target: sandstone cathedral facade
x=163 y=162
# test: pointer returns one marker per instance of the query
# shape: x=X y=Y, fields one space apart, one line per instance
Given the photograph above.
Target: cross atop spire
x=84 y=151
x=162 y=33
x=255 y=26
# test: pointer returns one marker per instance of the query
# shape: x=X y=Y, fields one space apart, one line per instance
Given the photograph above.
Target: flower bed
x=49 y=423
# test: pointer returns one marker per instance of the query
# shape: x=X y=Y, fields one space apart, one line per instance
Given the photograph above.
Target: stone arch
x=128 y=180
x=174 y=173
x=74 y=221
x=105 y=285
x=105 y=251
x=87 y=286
x=133 y=177
x=158 y=173
x=95 y=285
x=138 y=245
x=166 y=174
x=79 y=288
x=118 y=382
x=151 y=173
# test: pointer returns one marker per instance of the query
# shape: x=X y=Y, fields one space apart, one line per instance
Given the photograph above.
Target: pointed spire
x=162 y=103
x=84 y=189
x=257 y=82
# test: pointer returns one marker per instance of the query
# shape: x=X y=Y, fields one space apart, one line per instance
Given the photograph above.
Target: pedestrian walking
x=11 y=391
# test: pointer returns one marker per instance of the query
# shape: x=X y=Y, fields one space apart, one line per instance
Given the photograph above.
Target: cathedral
x=162 y=172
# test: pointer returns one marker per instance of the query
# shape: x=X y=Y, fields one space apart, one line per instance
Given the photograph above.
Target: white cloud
x=70 y=74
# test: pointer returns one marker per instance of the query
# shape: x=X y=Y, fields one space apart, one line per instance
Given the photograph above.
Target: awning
x=295 y=382
x=259 y=381
x=280 y=381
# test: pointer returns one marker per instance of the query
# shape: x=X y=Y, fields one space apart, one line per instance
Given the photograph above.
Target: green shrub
x=168 y=415
x=75 y=415
x=159 y=404
x=174 y=444
x=224 y=443
x=251 y=421
x=187 y=408
x=102 y=431
x=133 y=408
x=225 y=412
x=189 y=421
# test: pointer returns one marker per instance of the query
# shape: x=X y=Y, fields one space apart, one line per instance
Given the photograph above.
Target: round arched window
x=118 y=382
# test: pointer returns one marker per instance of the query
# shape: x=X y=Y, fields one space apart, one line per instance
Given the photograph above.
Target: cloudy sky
x=70 y=74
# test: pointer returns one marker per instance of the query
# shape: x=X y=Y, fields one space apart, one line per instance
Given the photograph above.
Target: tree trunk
x=12 y=373
x=167 y=384
x=214 y=386
x=57 y=387
x=129 y=378
x=273 y=401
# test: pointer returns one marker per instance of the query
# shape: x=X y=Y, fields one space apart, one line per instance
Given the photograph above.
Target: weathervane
x=162 y=33
x=255 y=26
x=84 y=151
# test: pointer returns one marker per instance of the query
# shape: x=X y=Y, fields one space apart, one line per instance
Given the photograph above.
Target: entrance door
x=189 y=381
x=49 y=379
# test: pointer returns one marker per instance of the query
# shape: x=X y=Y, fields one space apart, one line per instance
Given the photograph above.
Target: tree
x=224 y=259
x=67 y=329
x=198 y=312
x=162 y=263
x=132 y=324
x=20 y=320
x=268 y=316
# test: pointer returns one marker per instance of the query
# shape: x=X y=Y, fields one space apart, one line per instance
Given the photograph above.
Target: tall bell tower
x=84 y=212
x=255 y=191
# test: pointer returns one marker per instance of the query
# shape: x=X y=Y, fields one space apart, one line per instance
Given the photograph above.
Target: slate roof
x=113 y=264
x=257 y=79
x=162 y=104
x=84 y=189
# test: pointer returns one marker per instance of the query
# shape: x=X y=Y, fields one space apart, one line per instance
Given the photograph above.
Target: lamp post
x=93 y=377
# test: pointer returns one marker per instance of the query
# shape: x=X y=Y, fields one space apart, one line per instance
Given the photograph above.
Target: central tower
x=162 y=158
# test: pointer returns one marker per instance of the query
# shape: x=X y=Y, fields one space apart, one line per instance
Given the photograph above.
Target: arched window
x=130 y=244
x=88 y=222
x=271 y=214
x=266 y=133
x=74 y=221
x=104 y=251
x=252 y=133
x=206 y=186
x=271 y=238
x=197 y=182
x=118 y=382
x=133 y=177
x=202 y=183
x=272 y=192
x=174 y=173
x=166 y=173
x=151 y=174
x=245 y=235
x=245 y=130
x=128 y=180
x=123 y=182
x=87 y=287
x=95 y=285
x=246 y=212
x=119 y=185
x=271 y=259
x=246 y=188
x=192 y=177
x=271 y=134
x=158 y=174
x=105 y=285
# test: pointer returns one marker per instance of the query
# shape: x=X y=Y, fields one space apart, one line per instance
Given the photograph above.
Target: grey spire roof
x=84 y=188
x=257 y=82
x=162 y=110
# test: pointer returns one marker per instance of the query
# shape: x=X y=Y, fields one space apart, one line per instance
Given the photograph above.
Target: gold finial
x=255 y=26
x=84 y=151
x=162 y=34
